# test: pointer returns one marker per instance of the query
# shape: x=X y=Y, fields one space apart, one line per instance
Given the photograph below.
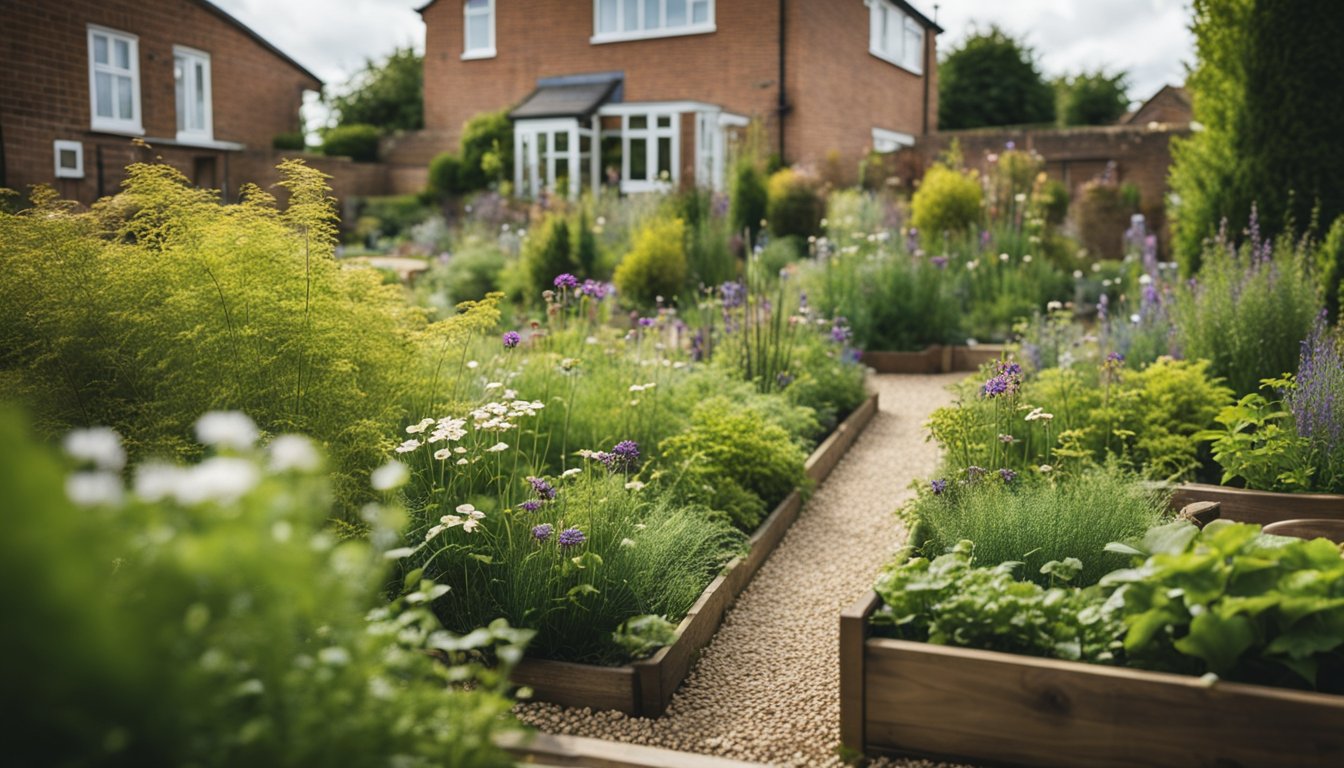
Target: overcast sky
x=1147 y=38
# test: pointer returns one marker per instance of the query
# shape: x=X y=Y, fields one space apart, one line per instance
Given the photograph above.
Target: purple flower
x=998 y=385
x=938 y=486
x=571 y=537
x=974 y=473
x=647 y=322
x=566 y=280
x=542 y=532
x=531 y=505
x=511 y=339
x=1009 y=368
x=1008 y=475
x=595 y=289
x=840 y=332
x=626 y=451
x=783 y=379
x=939 y=262
x=543 y=489
x=732 y=294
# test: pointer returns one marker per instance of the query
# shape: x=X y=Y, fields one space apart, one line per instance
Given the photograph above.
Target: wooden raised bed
x=644 y=688
x=905 y=698
x=1261 y=507
x=934 y=359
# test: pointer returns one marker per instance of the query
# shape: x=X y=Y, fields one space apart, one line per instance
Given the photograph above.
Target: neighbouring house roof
x=921 y=18
x=221 y=13
x=1169 y=101
x=567 y=97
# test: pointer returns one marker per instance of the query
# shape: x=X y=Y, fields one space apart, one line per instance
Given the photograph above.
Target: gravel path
x=767 y=687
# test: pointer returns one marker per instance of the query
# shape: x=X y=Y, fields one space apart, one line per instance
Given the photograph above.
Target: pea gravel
x=766 y=688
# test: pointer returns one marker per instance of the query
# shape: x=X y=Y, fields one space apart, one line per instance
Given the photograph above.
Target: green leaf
x=412 y=579
x=1218 y=640
x=581 y=590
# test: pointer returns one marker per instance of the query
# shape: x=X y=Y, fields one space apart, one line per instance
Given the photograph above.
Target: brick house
x=646 y=94
x=85 y=77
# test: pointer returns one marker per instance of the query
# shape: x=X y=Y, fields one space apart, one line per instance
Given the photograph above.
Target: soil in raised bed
x=766 y=688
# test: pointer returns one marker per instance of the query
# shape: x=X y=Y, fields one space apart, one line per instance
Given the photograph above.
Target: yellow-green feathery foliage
x=162 y=303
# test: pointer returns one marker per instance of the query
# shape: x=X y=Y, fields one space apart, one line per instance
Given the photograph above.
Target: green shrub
x=732 y=461
x=446 y=177
x=487 y=149
x=709 y=259
x=1053 y=197
x=1035 y=521
x=357 y=142
x=794 y=205
x=947 y=201
x=1330 y=268
x=825 y=382
x=548 y=252
x=584 y=247
x=208 y=618
x=1087 y=414
x=396 y=214
x=200 y=304
x=471 y=272
x=779 y=253
x=748 y=199
x=656 y=264
x=294 y=140
x=1248 y=310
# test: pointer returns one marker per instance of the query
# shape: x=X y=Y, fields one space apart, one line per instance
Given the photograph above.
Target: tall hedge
x=1266 y=91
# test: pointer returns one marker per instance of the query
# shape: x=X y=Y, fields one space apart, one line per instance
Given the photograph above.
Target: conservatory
x=572 y=133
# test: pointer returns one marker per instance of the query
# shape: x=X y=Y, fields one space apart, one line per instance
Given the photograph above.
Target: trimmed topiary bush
x=947 y=201
x=656 y=265
x=548 y=252
x=445 y=175
x=748 y=199
x=357 y=142
x=794 y=205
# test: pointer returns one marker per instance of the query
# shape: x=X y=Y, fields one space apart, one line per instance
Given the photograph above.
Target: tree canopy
x=992 y=79
x=388 y=95
x=1092 y=98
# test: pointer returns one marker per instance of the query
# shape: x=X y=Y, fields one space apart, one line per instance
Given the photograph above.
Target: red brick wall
x=44 y=94
x=840 y=91
x=1142 y=156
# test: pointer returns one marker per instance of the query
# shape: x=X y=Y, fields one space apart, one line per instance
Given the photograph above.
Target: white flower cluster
x=468 y=516
x=220 y=479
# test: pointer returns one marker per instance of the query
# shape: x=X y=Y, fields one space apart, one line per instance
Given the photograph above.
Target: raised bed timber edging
x=934 y=359
x=644 y=688
x=553 y=750
x=906 y=698
x=1261 y=507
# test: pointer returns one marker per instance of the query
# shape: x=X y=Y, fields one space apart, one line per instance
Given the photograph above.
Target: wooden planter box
x=934 y=359
x=904 y=698
x=644 y=688
x=1261 y=507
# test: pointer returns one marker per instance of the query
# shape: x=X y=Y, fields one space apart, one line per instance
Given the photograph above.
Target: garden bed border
x=644 y=688
x=916 y=699
x=1261 y=507
x=933 y=359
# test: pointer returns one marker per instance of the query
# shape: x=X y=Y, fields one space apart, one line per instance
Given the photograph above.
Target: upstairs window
x=114 y=81
x=617 y=20
x=191 y=73
x=478 y=17
x=895 y=36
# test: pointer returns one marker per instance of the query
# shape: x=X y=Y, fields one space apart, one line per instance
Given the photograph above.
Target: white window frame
x=207 y=133
x=468 y=12
x=640 y=33
x=651 y=133
x=881 y=11
x=135 y=125
x=62 y=172
x=885 y=141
